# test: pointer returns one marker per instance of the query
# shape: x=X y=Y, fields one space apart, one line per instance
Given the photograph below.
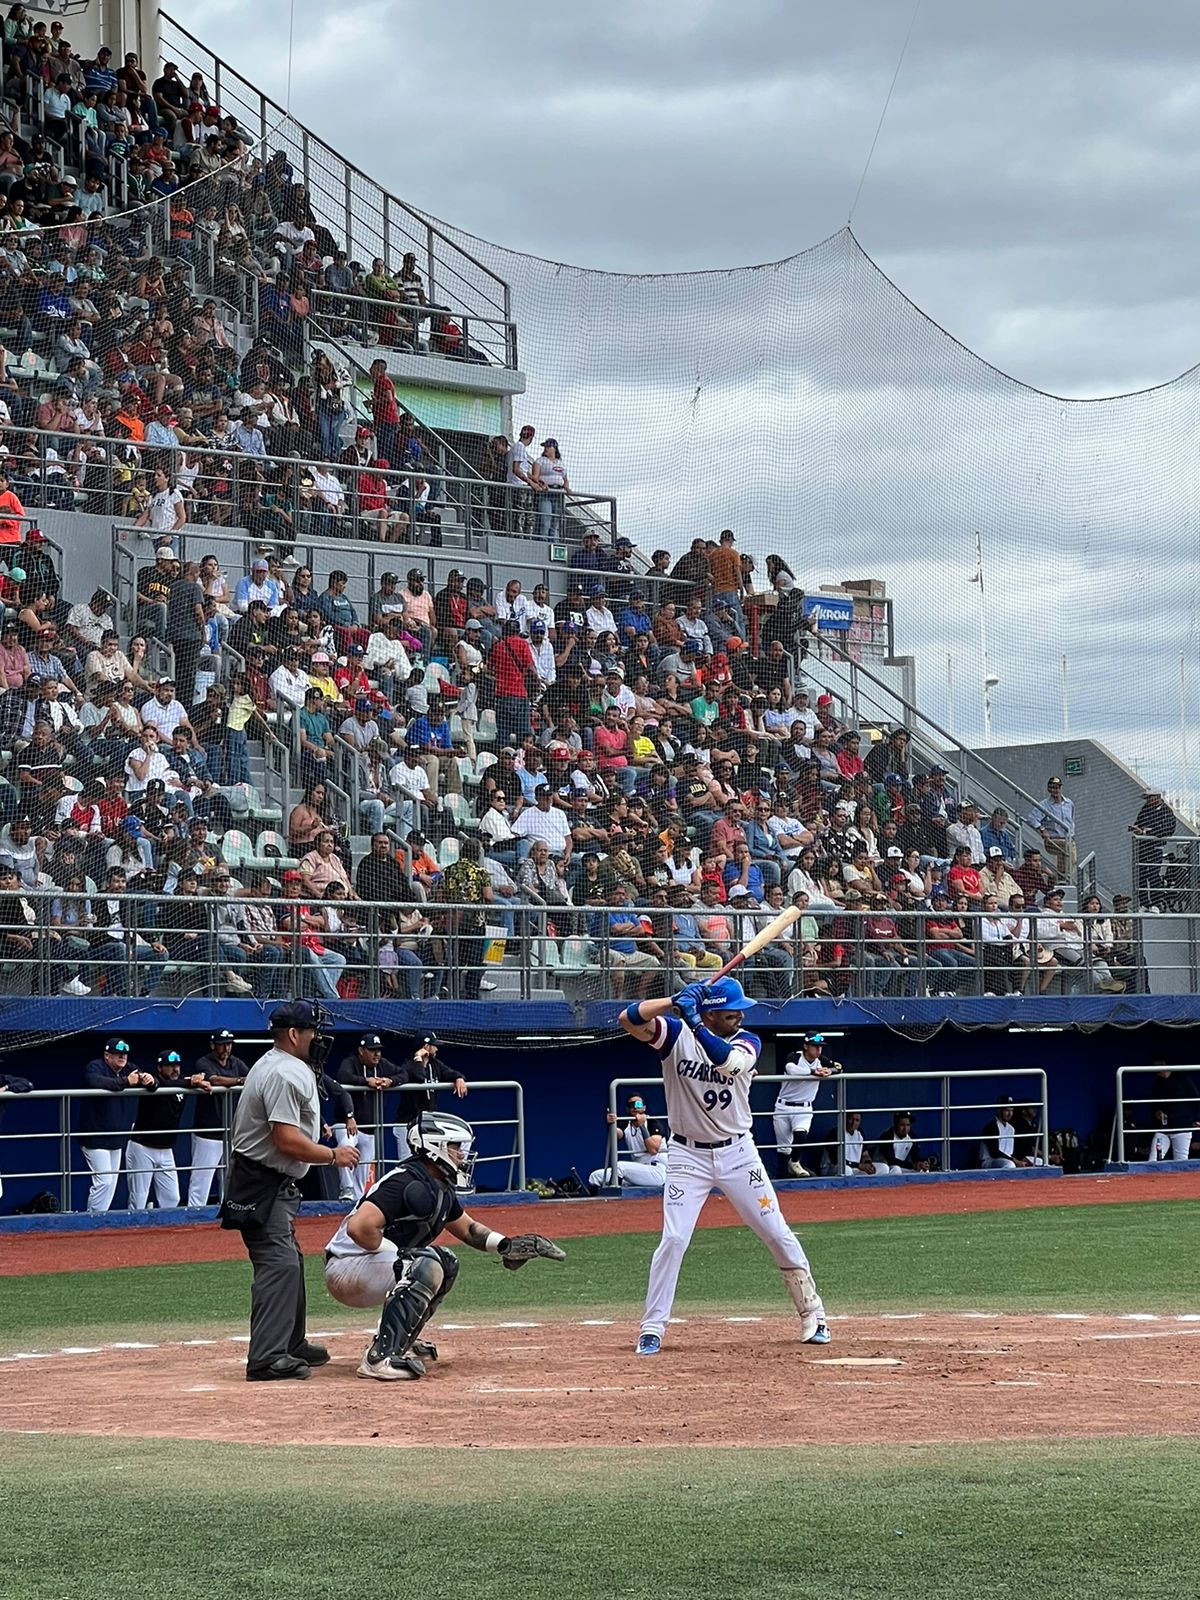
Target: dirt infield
x=547 y=1383
x=574 y=1219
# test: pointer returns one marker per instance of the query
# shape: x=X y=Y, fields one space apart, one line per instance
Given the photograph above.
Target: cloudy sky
x=1034 y=191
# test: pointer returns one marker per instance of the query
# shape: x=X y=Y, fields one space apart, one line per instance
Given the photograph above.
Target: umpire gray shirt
x=278 y=1088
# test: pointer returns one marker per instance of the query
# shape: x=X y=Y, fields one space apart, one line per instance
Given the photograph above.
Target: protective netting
x=811 y=408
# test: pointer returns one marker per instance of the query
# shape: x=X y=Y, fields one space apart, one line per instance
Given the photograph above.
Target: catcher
x=384 y=1254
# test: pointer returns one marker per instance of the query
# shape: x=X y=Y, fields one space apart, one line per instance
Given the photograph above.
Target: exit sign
x=558 y=552
x=1074 y=767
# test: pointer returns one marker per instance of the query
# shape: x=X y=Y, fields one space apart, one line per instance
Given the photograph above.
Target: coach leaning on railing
x=274 y=1143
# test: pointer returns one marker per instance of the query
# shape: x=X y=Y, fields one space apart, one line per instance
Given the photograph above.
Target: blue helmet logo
x=725 y=994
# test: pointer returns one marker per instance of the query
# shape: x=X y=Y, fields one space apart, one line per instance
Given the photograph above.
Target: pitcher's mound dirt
x=566 y=1384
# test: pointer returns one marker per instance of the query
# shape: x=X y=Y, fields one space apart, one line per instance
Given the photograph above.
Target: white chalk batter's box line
x=612 y=1322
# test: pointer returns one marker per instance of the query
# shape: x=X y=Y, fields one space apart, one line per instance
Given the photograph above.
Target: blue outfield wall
x=552 y=1050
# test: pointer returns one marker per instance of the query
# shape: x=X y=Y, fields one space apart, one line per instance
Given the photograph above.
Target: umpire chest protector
x=415 y=1203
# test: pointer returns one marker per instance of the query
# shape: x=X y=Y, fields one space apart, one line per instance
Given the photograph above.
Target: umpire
x=274 y=1143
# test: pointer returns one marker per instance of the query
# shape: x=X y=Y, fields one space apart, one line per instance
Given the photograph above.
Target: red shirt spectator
x=383 y=401
x=610 y=741
x=12 y=511
x=849 y=761
x=511 y=661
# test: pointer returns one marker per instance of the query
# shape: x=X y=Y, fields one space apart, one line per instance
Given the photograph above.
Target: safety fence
x=49 y=1150
x=232 y=931
x=946 y=1125
x=1160 y=1119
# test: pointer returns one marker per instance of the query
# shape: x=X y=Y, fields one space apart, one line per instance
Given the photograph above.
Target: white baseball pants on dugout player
x=206 y=1158
x=632 y=1175
x=362 y=1281
x=1171 y=1146
x=739 y=1173
x=143 y=1163
x=105 y=1168
x=360 y=1178
x=789 y=1121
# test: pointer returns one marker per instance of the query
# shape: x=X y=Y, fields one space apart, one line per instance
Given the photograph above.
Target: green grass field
x=92 y=1518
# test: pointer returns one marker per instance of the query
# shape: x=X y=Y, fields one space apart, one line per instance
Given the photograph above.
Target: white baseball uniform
x=708 y=1109
x=795 y=1102
x=1171 y=1146
x=639 y=1169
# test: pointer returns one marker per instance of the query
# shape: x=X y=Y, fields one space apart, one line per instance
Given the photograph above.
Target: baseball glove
x=523 y=1247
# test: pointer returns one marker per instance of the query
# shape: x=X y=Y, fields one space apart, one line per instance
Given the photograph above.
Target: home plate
x=857 y=1361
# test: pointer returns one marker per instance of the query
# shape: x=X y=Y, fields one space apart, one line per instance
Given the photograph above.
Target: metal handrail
x=350 y=174
x=368 y=312
x=63 y=1133
x=1159 y=1099
x=592 y=958
x=838 y=1084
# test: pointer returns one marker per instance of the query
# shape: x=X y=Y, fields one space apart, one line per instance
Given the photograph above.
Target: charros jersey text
x=704 y=1101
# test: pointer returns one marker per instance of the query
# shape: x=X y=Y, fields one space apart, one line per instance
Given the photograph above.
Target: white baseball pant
x=105 y=1168
x=738 y=1171
x=632 y=1174
x=996 y=1163
x=144 y=1164
x=364 y=1280
x=361 y=1177
x=789 y=1121
x=1171 y=1146
x=206 y=1158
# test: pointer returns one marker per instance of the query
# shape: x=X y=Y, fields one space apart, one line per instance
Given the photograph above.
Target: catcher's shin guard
x=423 y=1279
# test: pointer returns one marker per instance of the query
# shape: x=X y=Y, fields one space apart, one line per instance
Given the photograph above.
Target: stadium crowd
x=628 y=777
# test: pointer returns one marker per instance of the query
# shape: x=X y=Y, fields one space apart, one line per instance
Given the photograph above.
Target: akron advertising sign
x=833 y=612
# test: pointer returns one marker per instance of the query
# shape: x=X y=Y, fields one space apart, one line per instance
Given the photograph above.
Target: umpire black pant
x=277 y=1302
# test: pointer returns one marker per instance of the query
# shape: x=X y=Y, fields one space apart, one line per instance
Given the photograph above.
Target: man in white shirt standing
x=519 y=477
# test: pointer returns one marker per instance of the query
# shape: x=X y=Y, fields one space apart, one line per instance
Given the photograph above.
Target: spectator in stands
x=964 y=832
x=1005 y=963
x=996 y=836
x=519 y=478
x=1155 y=820
x=725 y=576
x=1065 y=937
x=549 y=484
x=1099 y=943
x=1054 y=820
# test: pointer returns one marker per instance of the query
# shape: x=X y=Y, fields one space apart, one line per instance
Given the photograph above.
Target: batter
x=709 y=1062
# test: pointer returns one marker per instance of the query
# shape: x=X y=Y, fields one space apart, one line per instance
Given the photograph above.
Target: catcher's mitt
x=523 y=1247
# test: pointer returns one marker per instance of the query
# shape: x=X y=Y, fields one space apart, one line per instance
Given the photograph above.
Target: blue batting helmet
x=725 y=994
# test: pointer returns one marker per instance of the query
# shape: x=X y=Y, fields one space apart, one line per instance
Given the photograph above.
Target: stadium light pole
x=950 y=695
x=1066 y=715
x=989 y=683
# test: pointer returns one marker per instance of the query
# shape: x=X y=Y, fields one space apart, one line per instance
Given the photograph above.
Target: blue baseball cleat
x=649 y=1344
x=822 y=1335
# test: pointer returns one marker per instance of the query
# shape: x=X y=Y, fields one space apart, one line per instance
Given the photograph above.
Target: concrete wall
x=1107 y=796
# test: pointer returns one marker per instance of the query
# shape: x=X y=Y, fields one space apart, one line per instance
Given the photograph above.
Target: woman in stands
x=963 y=877
x=309 y=817
x=550 y=485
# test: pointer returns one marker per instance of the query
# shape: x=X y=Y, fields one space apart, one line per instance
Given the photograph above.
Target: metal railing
x=60 y=1138
x=1179 y=1132
x=1165 y=872
x=408 y=327
x=364 y=217
x=946 y=1108
x=139 y=941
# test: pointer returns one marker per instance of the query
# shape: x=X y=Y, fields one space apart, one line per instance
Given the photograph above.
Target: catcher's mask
x=446 y=1140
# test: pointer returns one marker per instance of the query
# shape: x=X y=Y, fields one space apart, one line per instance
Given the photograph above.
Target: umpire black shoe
x=313 y=1355
x=281 y=1367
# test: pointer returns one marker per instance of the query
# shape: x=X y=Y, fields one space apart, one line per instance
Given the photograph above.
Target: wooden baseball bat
x=773 y=929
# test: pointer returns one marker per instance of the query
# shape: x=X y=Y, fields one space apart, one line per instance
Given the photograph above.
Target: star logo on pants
x=764 y=1202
